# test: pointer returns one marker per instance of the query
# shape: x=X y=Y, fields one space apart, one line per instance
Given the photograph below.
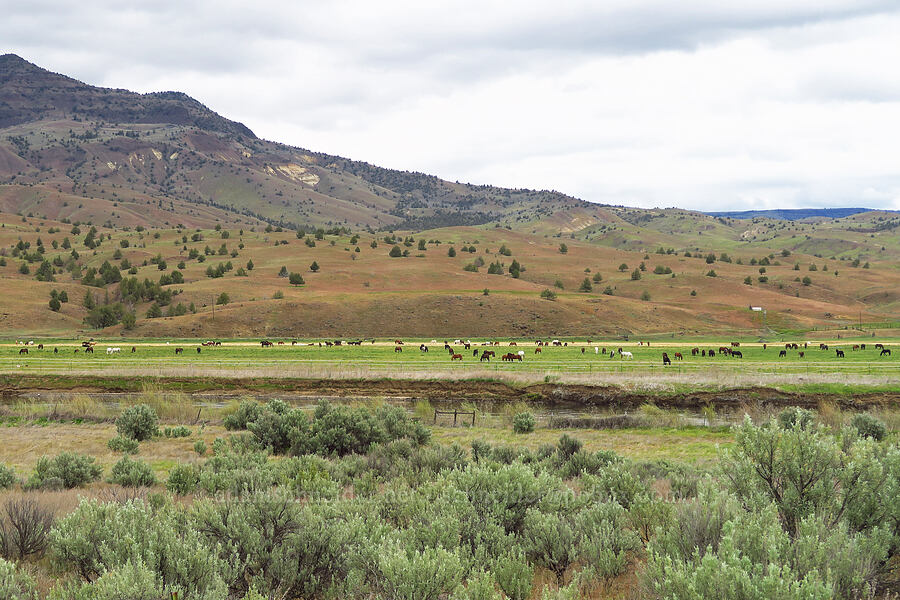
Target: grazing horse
x=422 y=347
x=40 y=346
x=467 y=346
x=666 y=360
x=679 y=356
x=113 y=350
x=855 y=347
x=133 y=349
x=885 y=352
x=737 y=353
x=398 y=349
x=23 y=350
x=89 y=349
x=265 y=343
x=862 y=346
x=839 y=353
x=538 y=350
x=881 y=346
x=179 y=350
x=703 y=353
x=801 y=354
x=56 y=351
x=735 y=344
x=198 y=349
x=456 y=357
x=398 y=342
x=628 y=355
x=513 y=344
x=696 y=351
x=782 y=354
x=765 y=346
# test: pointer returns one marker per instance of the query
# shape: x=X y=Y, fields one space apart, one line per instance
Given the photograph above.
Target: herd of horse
x=485 y=355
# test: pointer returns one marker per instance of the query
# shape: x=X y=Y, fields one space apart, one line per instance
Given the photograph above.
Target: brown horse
x=538 y=350
x=666 y=360
x=679 y=356
x=456 y=357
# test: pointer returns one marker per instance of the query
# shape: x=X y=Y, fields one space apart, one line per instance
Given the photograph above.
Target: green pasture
x=577 y=357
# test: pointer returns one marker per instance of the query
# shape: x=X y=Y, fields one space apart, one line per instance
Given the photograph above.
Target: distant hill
x=62 y=140
x=792 y=214
x=102 y=185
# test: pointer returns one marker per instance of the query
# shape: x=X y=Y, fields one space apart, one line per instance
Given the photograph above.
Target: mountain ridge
x=793 y=214
x=60 y=133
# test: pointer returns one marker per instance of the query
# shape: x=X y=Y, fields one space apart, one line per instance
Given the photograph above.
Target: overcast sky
x=700 y=104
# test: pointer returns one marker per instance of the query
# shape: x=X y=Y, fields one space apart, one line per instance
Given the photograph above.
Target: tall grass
x=830 y=414
x=170 y=406
x=655 y=416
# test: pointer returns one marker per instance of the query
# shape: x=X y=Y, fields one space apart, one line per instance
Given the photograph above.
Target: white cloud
x=697 y=104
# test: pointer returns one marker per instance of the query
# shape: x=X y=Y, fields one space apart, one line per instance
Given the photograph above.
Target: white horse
x=113 y=350
x=627 y=355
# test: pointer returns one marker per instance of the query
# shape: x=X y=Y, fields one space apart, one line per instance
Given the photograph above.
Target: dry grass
x=24 y=444
x=830 y=414
x=174 y=407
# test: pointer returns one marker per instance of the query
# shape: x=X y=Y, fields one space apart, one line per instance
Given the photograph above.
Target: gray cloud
x=650 y=102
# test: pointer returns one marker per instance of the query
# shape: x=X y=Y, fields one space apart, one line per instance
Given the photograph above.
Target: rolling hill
x=142 y=203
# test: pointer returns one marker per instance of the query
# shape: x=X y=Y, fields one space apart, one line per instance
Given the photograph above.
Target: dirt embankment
x=552 y=394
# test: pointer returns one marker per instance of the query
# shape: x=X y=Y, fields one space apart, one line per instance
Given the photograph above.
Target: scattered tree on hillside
x=314 y=267
x=396 y=252
x=563 y=249
x=296 y=279
x=586 y=285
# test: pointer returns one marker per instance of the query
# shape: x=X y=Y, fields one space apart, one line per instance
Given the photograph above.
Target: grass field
x=577 y=360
